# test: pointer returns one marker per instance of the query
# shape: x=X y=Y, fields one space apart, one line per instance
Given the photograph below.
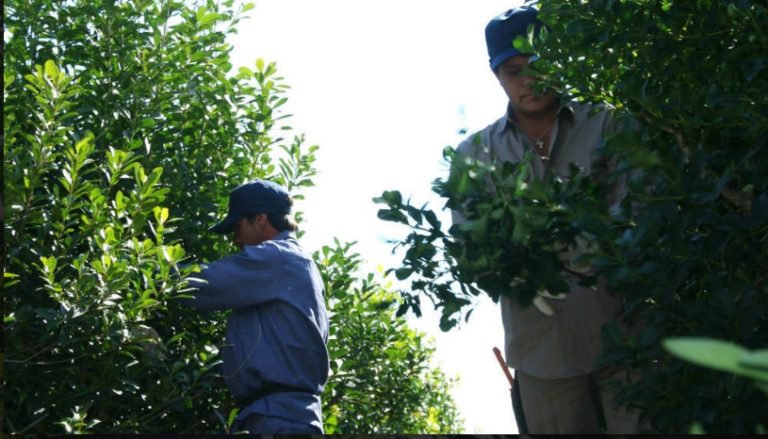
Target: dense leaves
x=154 y=81
x=124 y=131
x=514 y=240
x=382 y=380
x=687 y=248
x=722 y=356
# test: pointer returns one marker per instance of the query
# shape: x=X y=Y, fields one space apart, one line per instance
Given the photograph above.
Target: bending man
x=275 y=359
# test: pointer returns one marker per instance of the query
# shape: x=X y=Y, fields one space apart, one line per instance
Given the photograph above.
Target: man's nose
x=528 y=80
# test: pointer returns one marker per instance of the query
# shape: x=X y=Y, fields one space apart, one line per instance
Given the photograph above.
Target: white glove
x=539 y=301
x=542 y=304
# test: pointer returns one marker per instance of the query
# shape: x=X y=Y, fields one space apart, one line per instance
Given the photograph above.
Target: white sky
x=382 y=87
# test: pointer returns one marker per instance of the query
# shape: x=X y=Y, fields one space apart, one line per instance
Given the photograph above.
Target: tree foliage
x=124 y=131
x=687 y=248
x=382 y=380
x=513 y=243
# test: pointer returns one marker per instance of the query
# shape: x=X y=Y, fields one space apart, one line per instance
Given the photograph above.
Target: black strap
x=268 y=389
x=517 y=407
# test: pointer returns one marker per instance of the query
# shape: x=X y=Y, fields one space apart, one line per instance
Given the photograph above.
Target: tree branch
x=742 y=200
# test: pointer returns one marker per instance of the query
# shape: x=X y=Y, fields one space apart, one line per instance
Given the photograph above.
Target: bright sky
x=382 y=87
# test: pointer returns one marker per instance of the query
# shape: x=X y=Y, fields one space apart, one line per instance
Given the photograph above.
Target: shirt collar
x=286 y=234
x=566 y=108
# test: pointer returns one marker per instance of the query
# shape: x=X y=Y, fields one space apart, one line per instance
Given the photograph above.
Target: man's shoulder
x=284 y=245
x=479 y=138
x=268 y=250
x=584 y=112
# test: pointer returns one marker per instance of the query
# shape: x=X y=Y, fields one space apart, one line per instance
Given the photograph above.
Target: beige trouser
x=567 y=406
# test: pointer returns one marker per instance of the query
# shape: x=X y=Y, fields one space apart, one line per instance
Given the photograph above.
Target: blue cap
x=257 y=196
x=502 y=30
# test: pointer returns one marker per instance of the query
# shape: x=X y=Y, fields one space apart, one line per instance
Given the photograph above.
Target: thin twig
x=740 y=199
x=31 y=425
x=680 y=140
x=44 y=363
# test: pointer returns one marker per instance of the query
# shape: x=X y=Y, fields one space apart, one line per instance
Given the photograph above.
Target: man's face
x=249 y=233
x=518 y=88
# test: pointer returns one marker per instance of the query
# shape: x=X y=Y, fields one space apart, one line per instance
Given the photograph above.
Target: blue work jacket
x=277 y=332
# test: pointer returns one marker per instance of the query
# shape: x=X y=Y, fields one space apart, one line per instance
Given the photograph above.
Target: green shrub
x=382 y=380
x=124 y=133
x=687 y=250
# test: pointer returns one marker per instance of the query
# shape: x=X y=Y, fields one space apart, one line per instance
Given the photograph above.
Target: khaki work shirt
x=566 y=344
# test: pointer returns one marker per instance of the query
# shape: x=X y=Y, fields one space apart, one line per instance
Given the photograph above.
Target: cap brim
x=504 y=55
x=225 y=226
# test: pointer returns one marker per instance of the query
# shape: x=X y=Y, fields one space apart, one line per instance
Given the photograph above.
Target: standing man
x=275 y=355
x=552 y=345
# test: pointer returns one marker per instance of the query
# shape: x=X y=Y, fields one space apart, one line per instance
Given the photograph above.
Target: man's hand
x=568 y=253
x=539 y=301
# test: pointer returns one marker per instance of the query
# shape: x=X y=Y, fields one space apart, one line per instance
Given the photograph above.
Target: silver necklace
x=539 y=143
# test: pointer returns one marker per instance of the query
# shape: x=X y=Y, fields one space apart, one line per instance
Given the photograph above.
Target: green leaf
x=52 y=70
x=392 y=215
x=161 y=214
x=208 y=19
x=49 y=264
x=711 y=353
x=718 y=355
x=152 y=180
x=392 y=198
x=756 y=360
x=403 y=273
x=415 y=214
x=245 y=71
x=432 y=219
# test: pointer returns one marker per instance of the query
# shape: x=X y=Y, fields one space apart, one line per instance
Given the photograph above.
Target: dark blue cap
x=257 y=196
x=502 y=30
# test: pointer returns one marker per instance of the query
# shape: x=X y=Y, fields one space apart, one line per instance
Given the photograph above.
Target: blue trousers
x=260 y=424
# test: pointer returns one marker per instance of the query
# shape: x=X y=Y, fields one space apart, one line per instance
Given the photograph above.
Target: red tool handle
x=504 y=367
